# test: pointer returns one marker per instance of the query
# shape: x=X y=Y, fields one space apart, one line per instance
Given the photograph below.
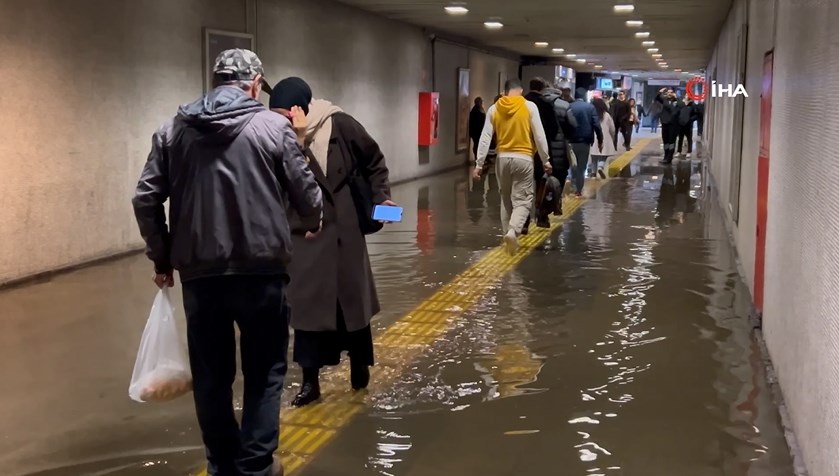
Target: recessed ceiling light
x=570 y=56
x=558 y=50
x=634 y=23
x=634 y=75
x=656 y=55
x=456 y=10
x=664 y=65
x=642 y=34
x=541 y=44
x=493 y=24
x=624 y=8
x=598 y=66
x=581 y=60
x=648 y=43
x=652 y=50
x=677 y=70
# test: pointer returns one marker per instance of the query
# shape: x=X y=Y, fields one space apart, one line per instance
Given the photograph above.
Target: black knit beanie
x=291 y=92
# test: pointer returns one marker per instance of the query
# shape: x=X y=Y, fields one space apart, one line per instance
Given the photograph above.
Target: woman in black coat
x=332 y=294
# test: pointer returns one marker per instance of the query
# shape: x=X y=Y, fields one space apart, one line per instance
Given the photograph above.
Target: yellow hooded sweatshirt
x=511 y=123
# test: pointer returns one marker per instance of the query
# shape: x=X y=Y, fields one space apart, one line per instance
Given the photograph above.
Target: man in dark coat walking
x=621 y=115
x=669 y=116
x=477 y=117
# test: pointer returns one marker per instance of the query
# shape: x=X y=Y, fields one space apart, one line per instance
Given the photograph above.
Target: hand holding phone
x=387 y=212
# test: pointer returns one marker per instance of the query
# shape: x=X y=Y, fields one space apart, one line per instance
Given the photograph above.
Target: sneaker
x=687 y=156
x=601 y=173
x=511 y=242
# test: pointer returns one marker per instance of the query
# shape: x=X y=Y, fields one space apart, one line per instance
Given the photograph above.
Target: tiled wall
x=801 y=307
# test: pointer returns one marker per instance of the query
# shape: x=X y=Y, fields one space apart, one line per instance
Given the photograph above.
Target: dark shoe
x=360 y=377
x=526 y=229
x=543 y=223
x=309 y=393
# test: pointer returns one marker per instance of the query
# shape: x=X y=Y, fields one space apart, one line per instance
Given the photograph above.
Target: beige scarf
x=319 y=129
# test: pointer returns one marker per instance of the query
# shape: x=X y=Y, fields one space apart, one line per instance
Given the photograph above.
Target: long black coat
x=334 y=266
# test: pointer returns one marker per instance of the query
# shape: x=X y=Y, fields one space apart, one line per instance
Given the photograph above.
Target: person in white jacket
x=609 y=148
x=519 y=135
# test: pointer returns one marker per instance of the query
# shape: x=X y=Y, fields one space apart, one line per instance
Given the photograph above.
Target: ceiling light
x=624 y=8
x=634 y=23
x=571 y=56
x=598 y=66
x=656 y=55
x=652 y=50
x=580 y=60
x=677 y=70
x=541 y=44
x=664 y=65
x=642 y=34
x=558 y=50
x=456 y=10
x=648 y=43
x=493 y=24
x=634 y=75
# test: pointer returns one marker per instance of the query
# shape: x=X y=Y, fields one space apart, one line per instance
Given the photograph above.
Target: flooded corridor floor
x=620 y=346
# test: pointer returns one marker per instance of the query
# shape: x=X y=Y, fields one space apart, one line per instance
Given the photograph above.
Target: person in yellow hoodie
x=515 y=122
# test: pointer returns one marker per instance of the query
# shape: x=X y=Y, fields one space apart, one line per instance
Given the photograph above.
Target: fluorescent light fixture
x=624 y=8
x=648 y=43
x=581 y=60
x=642 y=34
x=657 y=55
x=652 y=50
x=634 y=23
x=677 y=70
x=570 y=56
x=493 y=24
x=664 y=65
x=634 y=75
x=558 y=50
x=598 y=66
x=456 y=10
x=541 y=44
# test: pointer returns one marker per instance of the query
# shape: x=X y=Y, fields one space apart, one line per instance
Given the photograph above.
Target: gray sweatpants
x=515 y=181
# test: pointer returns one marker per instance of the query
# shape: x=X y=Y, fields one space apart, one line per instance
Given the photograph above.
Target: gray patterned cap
x=238 y=64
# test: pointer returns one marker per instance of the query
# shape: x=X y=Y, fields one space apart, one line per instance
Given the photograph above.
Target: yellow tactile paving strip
x=306 y=430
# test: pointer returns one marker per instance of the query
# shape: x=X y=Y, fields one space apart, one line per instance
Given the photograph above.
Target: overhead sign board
x=664 y=82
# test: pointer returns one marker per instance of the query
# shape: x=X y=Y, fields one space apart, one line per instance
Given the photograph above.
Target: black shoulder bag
x=362 y=197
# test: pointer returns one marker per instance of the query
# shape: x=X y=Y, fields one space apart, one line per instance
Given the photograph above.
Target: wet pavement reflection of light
x=622 y=348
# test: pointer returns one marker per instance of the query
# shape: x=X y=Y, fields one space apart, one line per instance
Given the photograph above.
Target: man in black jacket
x=669 y=117
x=622 y=114
x=559 y=124
x=687 y=116
x=477 y=117
x=230 y=169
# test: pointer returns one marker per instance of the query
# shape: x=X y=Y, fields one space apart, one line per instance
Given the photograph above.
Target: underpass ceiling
x=684 y=31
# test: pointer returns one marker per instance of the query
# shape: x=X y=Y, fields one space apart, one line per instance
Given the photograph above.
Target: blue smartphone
x=387 y=213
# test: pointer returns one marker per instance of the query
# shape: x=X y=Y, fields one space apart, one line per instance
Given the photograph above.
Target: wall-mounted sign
x=563 y=72
x=605 y=83
x=664 y=82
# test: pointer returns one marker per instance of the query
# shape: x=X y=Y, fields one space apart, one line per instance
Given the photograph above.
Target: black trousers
x=626 y=130
x=686 y=132
x=669 y=132
x=257 y=304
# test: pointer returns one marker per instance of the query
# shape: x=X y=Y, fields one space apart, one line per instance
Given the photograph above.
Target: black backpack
x=548 y=117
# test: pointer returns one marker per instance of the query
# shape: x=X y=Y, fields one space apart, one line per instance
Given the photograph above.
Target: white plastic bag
x=161 y=372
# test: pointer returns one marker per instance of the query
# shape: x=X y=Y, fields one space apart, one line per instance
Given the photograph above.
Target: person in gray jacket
x=230 y=168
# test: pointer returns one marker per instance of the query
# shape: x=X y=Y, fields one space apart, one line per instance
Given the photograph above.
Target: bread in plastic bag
x=161 y=372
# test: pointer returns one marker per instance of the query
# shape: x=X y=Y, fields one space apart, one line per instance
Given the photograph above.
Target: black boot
x=310 y=391
x=359 y=376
